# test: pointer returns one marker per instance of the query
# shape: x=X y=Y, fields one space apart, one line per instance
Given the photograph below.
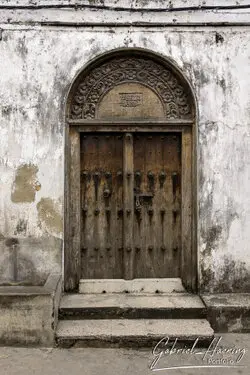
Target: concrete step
x=130 y=332
x=169 y=285
x=131 y=306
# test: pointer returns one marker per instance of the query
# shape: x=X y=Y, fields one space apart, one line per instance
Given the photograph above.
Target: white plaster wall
x=37 y=67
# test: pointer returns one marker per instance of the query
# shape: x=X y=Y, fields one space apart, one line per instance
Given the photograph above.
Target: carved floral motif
x=100 y=80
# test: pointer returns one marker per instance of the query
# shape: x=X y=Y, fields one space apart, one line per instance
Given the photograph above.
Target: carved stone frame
x=187 y=128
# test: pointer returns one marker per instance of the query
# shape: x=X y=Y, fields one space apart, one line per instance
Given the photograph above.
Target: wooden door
x=131 y=205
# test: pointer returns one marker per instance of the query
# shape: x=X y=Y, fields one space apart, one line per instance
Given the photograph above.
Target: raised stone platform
x=29 y=314
x=228 y=312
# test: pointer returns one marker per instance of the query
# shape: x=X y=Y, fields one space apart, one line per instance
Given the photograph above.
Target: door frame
x=72 y=223
x=188 y=130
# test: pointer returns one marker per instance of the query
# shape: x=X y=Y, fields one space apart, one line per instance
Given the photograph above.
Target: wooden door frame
x=72 y=222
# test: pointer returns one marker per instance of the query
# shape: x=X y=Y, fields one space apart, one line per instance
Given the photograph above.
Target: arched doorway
x=130 y=193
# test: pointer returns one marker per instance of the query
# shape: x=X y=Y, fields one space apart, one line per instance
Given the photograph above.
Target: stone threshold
x=139 y=286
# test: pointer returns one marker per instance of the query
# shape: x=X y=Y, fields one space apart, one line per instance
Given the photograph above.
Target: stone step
x=131 y=306
x=168 y=285
x=130 y=332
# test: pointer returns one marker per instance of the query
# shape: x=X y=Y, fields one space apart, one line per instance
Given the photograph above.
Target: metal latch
x=141 y=197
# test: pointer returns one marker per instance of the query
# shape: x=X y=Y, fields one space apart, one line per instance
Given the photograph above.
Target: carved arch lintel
x=90 y=87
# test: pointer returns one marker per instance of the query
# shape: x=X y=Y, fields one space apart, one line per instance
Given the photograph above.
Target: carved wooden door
x=131 y=205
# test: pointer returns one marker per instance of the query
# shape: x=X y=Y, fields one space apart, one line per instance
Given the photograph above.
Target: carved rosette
x=93 y=87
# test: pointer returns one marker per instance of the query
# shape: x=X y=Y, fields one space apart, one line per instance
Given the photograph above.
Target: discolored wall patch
x=232 y=276
x=25 y=186
x=229 y=276
x=49 y=215
x=211 y=238
x=21 y=227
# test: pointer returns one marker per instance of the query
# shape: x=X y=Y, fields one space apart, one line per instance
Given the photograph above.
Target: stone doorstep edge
x=49 y=288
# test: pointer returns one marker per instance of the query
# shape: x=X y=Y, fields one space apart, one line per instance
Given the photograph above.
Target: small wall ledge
x=29 y=314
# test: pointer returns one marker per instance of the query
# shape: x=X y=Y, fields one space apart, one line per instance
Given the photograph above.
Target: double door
x=130 y=205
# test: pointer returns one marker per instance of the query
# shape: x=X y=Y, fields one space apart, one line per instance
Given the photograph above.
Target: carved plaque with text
x=130 y=99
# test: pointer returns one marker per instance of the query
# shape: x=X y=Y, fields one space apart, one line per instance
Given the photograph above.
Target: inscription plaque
x=130 y=99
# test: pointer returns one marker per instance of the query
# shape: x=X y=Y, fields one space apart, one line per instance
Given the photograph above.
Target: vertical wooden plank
x=116 y=230
x=72 y=222
x=150 y=214
x=140 y=225
x=168 y=167
x=174 y=172
x=128 y=203
x=187 y=258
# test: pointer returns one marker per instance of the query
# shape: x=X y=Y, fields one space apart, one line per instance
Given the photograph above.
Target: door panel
x=102 y=204
x=157 y=240
x=131 y=202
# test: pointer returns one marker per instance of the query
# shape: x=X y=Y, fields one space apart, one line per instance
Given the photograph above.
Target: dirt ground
x=232 y=351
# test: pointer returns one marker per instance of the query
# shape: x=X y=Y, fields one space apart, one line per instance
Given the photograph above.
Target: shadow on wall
x=17 y=266
x=17 y=269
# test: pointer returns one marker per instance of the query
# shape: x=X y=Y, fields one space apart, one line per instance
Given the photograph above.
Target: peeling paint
x=20 y=259
x=22 y=47
x=211 y=238
x=11 y=242
x=49 y=215
x=25 y=185
x=219 y=38
x=21 y=227
x=232 y=276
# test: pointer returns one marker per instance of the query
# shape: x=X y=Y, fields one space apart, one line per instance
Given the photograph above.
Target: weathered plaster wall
x=37 y=66
x=32 y=165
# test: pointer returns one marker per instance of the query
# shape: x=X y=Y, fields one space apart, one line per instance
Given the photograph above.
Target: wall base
x=228 y=312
